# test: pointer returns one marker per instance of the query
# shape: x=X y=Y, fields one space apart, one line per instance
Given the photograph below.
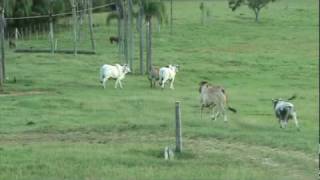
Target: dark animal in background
x=12 y=44
x=285 y=111
x=95 y=25
x=114 y=39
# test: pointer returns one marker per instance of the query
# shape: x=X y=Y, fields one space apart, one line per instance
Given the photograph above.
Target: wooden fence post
x=51 y=33
x=178 y=128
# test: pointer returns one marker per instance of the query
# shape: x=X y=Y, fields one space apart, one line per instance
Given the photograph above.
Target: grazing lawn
x=57 y=122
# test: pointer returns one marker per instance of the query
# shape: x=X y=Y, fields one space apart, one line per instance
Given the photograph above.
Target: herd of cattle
x=211 y=96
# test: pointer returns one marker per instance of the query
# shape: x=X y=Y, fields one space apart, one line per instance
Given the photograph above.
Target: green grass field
x=81 y=131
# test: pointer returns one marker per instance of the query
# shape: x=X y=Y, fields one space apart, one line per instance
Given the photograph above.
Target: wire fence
x=38 y=35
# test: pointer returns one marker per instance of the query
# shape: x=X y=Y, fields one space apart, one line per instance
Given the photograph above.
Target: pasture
x=57 y=121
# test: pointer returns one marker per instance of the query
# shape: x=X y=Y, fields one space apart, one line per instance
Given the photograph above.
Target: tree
x=202 y=12
x=119 y=16
x=130 y=34
x=141 y=36
x=152 y=8
x=255 y=5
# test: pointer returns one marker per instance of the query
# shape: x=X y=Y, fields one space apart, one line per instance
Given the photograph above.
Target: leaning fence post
x=51 y=33
x=178 y=128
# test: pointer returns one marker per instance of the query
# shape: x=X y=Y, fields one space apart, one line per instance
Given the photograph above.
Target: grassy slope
x=84 y=132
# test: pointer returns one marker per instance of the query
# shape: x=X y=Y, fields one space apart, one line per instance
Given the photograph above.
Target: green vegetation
x=57 y=122
x=254 y=5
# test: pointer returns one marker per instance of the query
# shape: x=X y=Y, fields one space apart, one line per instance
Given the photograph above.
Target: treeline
x=26 y=8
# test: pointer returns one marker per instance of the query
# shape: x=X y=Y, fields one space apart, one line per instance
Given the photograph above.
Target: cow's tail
x=226 y=100
x=232 y=109
x=292 y=97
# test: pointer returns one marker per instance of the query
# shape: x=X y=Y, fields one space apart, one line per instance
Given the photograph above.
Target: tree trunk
x=119 y=21
x=75 y=24
x=130 y=35
x=202 y=17
x=126 y=30
x=121 y=31
x=149 y=44
x=2 y=60
x=256 y=12
x=159 y=25
x=140 y=22
x=89 y=5
x=202 y=12
x=171 y=18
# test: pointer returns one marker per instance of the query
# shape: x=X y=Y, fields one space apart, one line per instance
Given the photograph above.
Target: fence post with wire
x=38 y=33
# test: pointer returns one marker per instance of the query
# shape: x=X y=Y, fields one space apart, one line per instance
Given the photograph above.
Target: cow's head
x=275 y=102
x=176 y=67
x=126 y=69
x=201 y=84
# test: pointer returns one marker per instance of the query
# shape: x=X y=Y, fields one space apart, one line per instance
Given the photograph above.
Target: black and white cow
x=284 y=111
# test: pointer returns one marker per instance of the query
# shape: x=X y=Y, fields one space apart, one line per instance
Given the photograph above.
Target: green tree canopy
x=255 y=5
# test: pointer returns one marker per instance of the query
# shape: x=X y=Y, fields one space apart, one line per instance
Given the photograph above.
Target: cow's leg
x=215 y=113
x=120 y=84
x=213 y=116
x=224 y=113
x=171 y=84
x=286 y=118
x=162 y=83
x=282 y=123
x=104 y=82
x=201 y=111
x=154 y=83
x=294 y=117
x=116 y=83
x=285 y=123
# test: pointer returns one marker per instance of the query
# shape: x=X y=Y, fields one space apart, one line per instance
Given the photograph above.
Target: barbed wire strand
x=59 y=14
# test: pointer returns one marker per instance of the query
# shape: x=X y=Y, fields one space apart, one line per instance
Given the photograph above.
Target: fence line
x=59 y=14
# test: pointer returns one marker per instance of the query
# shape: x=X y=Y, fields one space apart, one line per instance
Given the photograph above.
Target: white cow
x=117 y=72
x=285 y=111
x=168 y=73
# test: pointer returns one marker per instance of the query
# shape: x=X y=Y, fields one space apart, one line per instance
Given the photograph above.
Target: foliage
x=19 y=8
x=255 y=5
x=154 y=8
